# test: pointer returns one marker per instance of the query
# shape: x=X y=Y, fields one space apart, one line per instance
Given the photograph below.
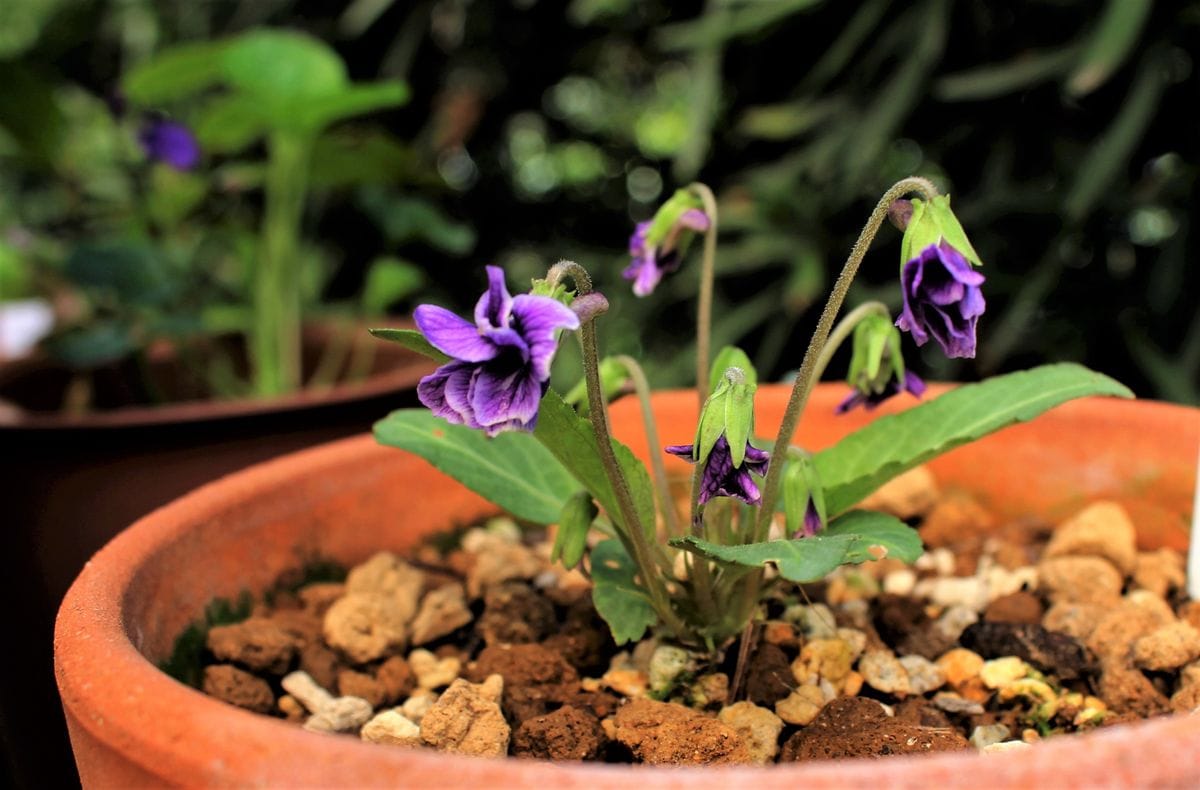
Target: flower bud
x=930 y=224
x=729 y=412
x=803 y=496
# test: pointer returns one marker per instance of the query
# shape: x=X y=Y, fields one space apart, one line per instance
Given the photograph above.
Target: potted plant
x=189 y=343
x=545 y=463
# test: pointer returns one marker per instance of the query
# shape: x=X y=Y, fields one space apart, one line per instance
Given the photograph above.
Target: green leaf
x=512 y=469
x=354 y=100
x=403 y=220
x=230 y=123
x=1110 y=43
x=98 y=344
x=576 y=518
x=282 y=68
x=613 y=377
x=851 y=539
x=998 y=79
x=569 y=437
x=868 y=458
x=388 y=281
x=412 y=340
x=175 y=73
x=616 y=594
x=130 y=273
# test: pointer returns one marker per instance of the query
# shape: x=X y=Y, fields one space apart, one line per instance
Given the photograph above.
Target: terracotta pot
x=132 y=725
x=71 y=483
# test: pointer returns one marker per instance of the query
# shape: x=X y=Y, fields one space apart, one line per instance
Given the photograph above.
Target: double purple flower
x=942 y=298
x=501 y=363
x=869 y=400
x=721 y=477
x=650 y=261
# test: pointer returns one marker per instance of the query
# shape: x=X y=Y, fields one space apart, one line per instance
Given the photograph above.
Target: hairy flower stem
x=643 y=553
x=704 y=309
x=805 y=378
x=642 y=388
x=843 y=330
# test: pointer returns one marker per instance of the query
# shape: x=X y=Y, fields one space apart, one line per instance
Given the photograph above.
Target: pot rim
x=94 y=645
x=409 y=370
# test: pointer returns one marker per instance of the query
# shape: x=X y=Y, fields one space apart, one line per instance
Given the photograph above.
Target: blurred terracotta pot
x=72 y=483
x=132 y=725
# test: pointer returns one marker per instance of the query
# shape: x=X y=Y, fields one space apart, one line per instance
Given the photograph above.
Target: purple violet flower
x=651 y=262
x=869 y=400
x=942 y=298
x=501 y=363
x=169 y=142
x=812 y=521
x=721 y=478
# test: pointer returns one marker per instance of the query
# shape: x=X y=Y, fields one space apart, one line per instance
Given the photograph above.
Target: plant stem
x=704 y=309
x=643 y=553
x=642 y=388
x=843 y=330
x=804 y=378
x=275 y=333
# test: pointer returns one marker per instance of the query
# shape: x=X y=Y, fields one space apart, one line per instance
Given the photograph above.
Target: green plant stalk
x=806 y=377
x=275 y=331
x=704 y=308
x=643 y=553
x=642 y=388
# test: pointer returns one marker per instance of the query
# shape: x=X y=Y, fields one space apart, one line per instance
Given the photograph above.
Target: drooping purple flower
x=942 y=298
x=812 y=521
x=869 y=400
x=721 y=477
x=651 y=261
x=169 y=142
x=501 y=363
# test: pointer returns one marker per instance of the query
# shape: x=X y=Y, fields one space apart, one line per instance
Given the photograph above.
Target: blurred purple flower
x=169 y=142
x=651 y=262
x=942 y=298
x=501 y=363
x=721 y=478
x=869 y=400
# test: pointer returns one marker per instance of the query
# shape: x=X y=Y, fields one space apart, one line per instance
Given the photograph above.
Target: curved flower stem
x=704 y=309
x=643 y=553
x=843 y=330
x=642 y=387
x=805 y=379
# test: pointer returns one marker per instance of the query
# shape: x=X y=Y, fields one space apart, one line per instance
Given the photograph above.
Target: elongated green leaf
x=856 y=537
x=412 y=340
x=175 y=73
x=1111 y=42
x=351 y=101
x=998 y=79
x=618 y=599
x=512 y=469
x=868 y=458
x=569 y=437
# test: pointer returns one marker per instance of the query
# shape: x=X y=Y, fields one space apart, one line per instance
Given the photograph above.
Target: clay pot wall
x=131 y=724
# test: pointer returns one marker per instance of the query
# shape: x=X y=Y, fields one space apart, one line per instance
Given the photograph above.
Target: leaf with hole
x=617 y=596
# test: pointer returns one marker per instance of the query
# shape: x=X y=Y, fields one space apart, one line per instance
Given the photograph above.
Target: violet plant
x=759 y=510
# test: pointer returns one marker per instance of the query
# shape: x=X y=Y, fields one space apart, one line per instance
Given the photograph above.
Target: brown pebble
x=769 y=676
x=851 y=727
x=1018 y=607
x=238 y=687
x=1080 y=580
x=321 y=663
x=514 y=613
x=397 y=678
x=1049 y=651
x=566 y=734
x=258 y=643
x=358 y=684
x=663 y=733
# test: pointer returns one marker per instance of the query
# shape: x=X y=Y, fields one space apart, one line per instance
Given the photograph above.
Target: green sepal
x=712 y=422
x=558 y=291
x=576 y=519
x=801 y=483
x=731 y=357
x=876 y=358
x=739 y=419
x=931 y=223
x=412 y=340
x=668 y=214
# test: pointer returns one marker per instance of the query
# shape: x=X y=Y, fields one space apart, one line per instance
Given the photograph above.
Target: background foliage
x=1063 y=128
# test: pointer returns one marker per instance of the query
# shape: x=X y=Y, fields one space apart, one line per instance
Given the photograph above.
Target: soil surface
x=1001 y=635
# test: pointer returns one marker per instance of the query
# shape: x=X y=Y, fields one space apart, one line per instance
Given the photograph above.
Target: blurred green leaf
x=227 y=124
x=29 y=112
x=728 y=21
x=388 y=281
x=987 y=82
x=792 y=119
x=283 y=68
x=351 y=101
x=174 y=194
x=404 y=219
x=342 y=159
x=21 y=23
x=839 y=53
x=1109 y=155
x=98 y=344
x=175 y=73
x=1109 y=44
x=131 y=273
